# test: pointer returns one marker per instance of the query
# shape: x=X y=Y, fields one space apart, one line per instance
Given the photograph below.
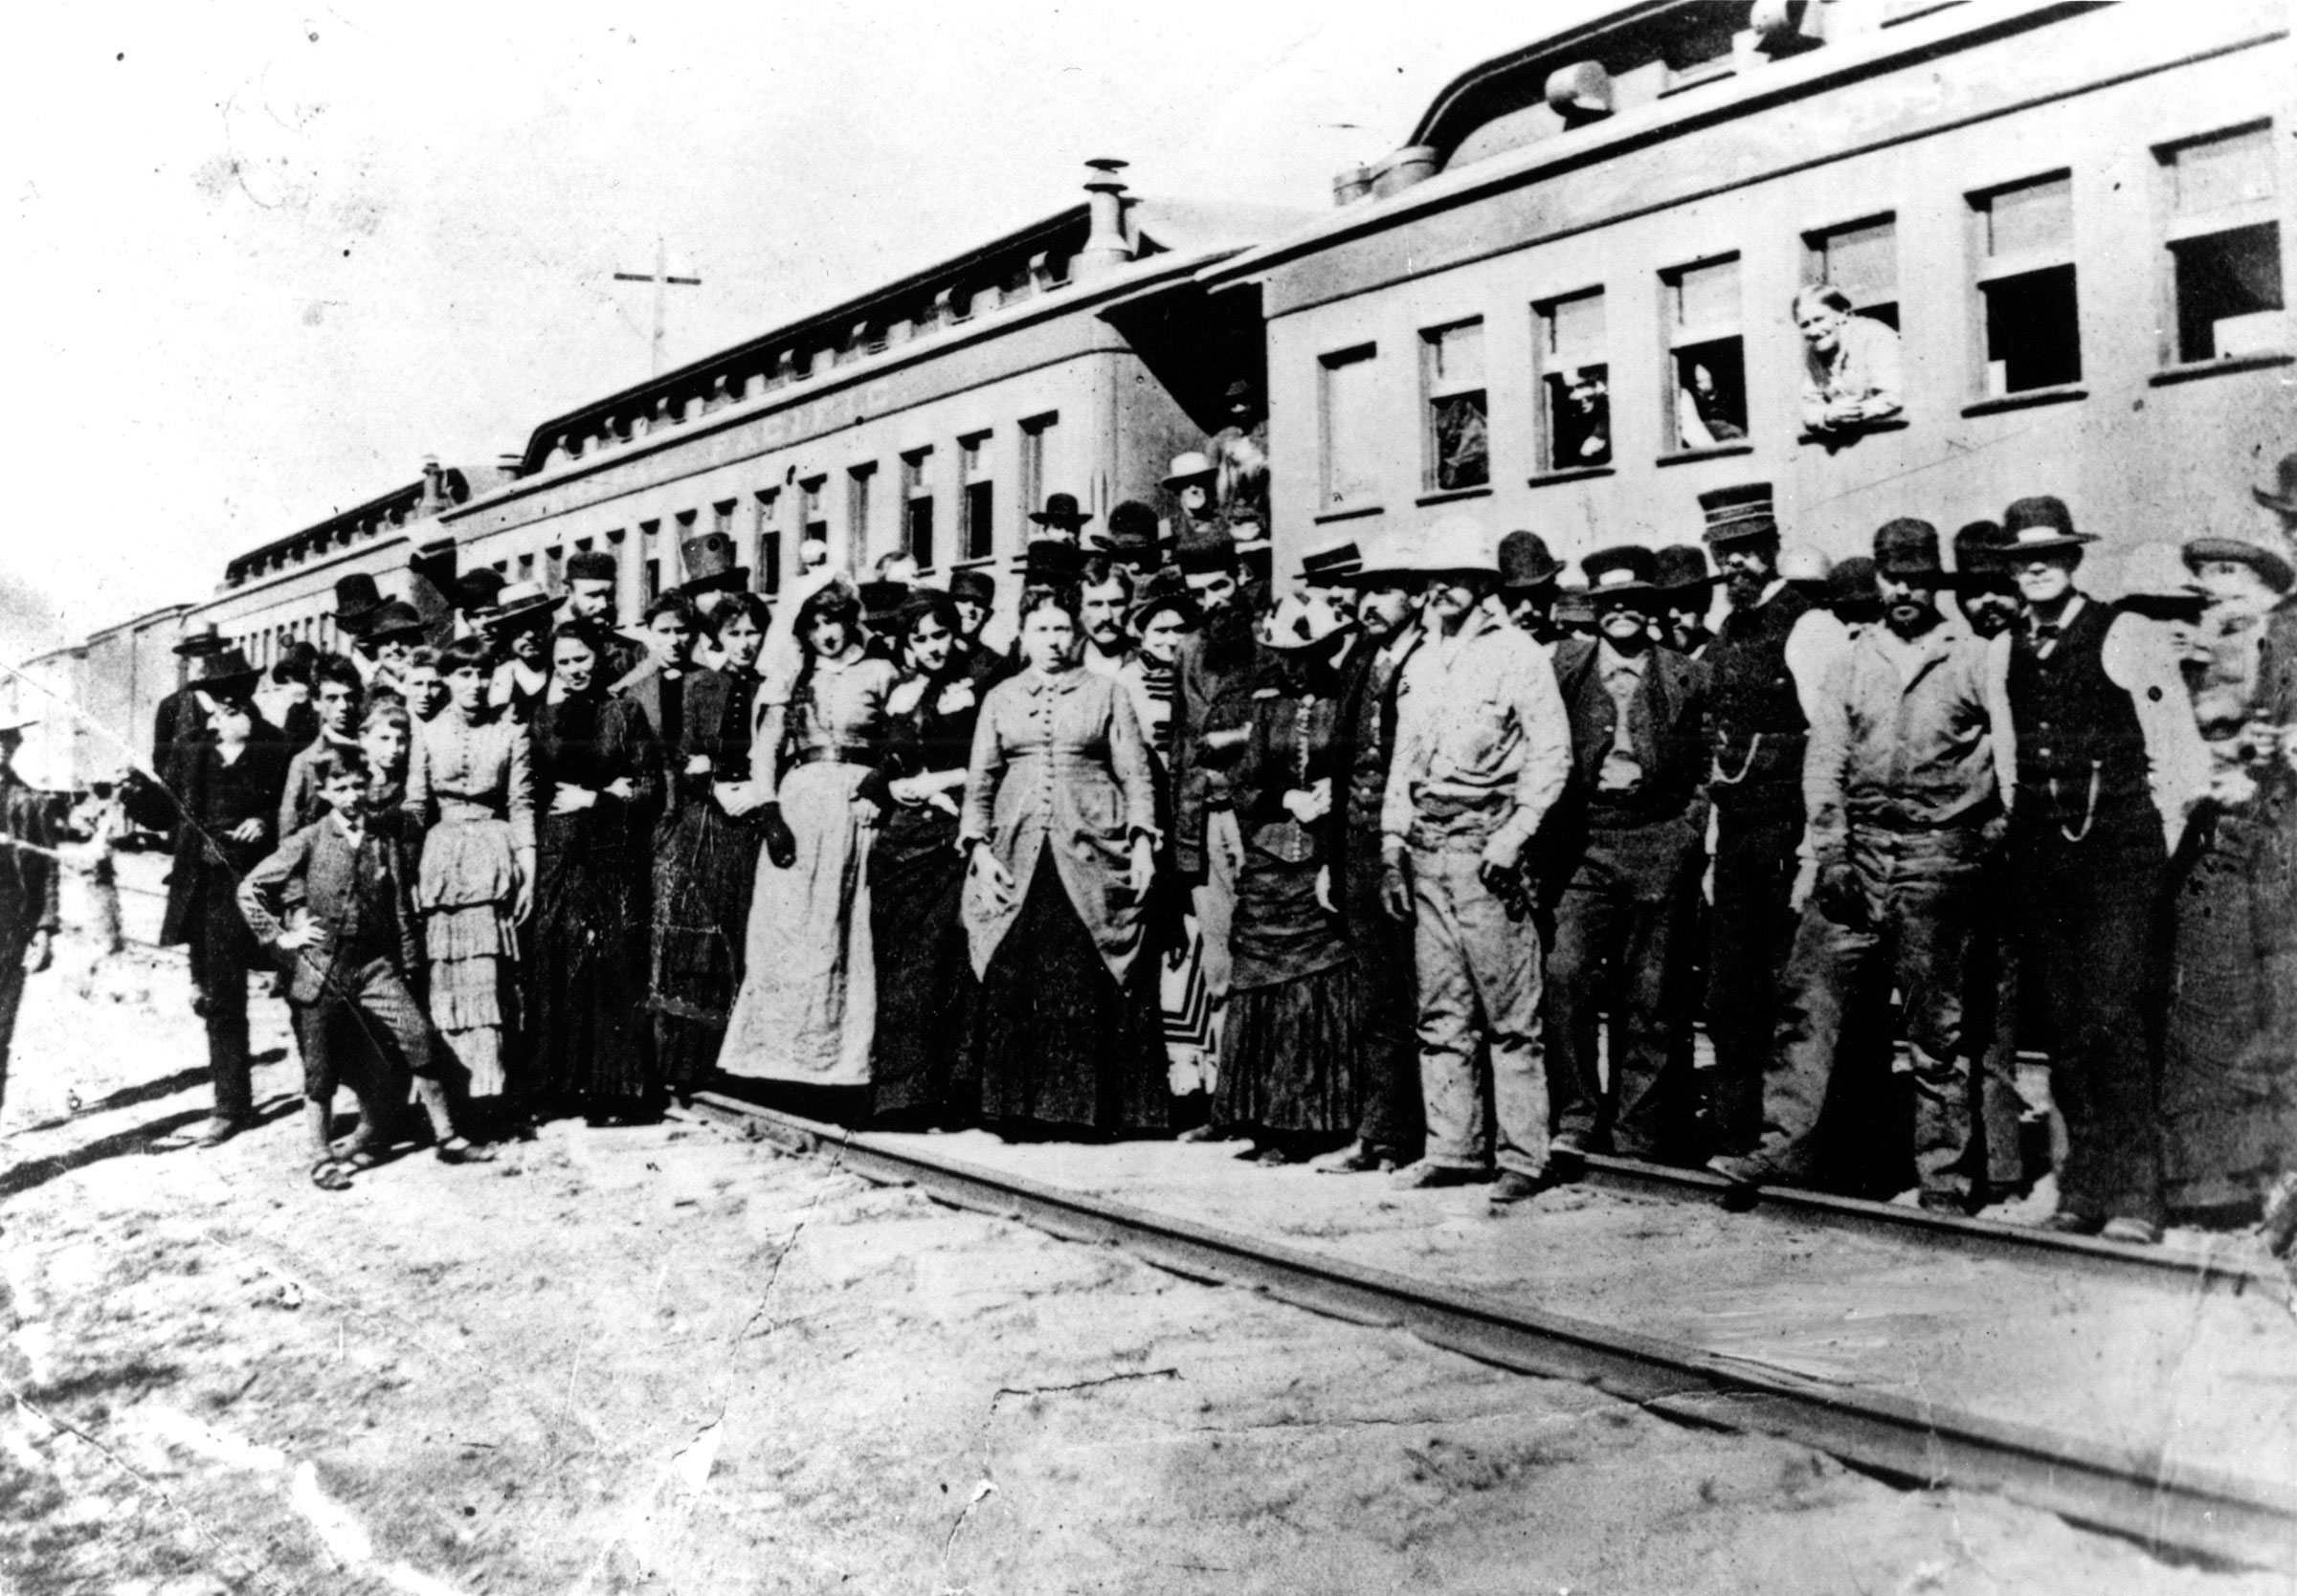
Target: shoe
x=1947 y=1202
x=2278 y=1219
x=1566 y=1164
x=1742 y=1181
x=1424 y=1175
x=456 y=1149
x=1204 y=1133
x=217 y=1131
x=1514 y=1186
x=2067 y=1223
x=1354 y=1159
x=2129 y=1229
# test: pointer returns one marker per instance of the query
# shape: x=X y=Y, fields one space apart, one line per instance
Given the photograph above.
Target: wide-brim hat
x=1332 y=563
x=1908 y=549
x=227 y=674
x=1736 y=513
x=1166 y=590
x=1384 y=557
x=2039 y=525
x=2275 y=570
x=1132 y=530
x=357 y=601
x=1190 y=466
x=1682 y=568
x=394 y=618
x=208 y=639
x=1456 y=545
x=1053 y=564
x=1852 y=584
x=518 y=603
x=1628 y=571
x=480 y=590
x=1525 y=563
x=1301 y=621
x=2283 y=495
x=1061 y=510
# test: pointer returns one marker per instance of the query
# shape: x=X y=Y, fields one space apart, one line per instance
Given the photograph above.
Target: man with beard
x=1387 y=611
x=1983 y=590
x=1528 y=588
x=1103 y=602
x=1905 y=783
x=2109 y=765
x=591 y=578
x=1763 y=672
x=1628 y=838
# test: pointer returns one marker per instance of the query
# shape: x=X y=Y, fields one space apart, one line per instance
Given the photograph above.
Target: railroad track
x=2139 y=1493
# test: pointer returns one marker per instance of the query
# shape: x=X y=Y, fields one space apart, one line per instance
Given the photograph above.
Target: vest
x=2072 y=722
x=1668 y=749
x=1756 y=729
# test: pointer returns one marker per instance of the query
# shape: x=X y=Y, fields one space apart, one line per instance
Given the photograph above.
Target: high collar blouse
x=461 y=769
x=1059 y=760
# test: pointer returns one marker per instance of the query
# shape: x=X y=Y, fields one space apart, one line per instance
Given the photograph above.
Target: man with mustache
x=1907 y=782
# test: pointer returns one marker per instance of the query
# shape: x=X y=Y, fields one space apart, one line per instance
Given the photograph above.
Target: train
x=1565 y=303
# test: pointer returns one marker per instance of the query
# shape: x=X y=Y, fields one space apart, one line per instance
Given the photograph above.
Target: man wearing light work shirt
x=1483 y=746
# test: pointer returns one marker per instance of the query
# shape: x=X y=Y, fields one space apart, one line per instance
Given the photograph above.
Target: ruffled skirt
x=467 y=892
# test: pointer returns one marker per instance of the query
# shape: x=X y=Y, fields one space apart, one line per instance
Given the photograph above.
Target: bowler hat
x=1525 y=563
x=1131 y=532
x=1907 y=548
x=2283 y=495
x=518 y=603
x=207 y=639
x=1190 y=466
x=709 y=565
x=1738 y=513
x=1205 y=546
x=357 y=598
x=2268 y=565
x=225 y=675
x=1629 y=571
x=1053 y=564
x=1332 y=563
x=1682 y=568
x=1166 y=590
x=1061 y=510
x=393 y=618
x=975 y=586
x=1978 y=551
x=1457 y=542
x=478 y=590
x=881 y=601
x=2037 y=526
x=591 y=565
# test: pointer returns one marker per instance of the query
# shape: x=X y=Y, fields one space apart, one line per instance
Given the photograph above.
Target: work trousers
x=1920 y=894
x=1479 y=979
x=1389 y=1123
x=1750 y=930
x=1618 y=941
x=221 y=950
x=12 y=999
x=362 y=1006
x=2089 y=932
x=1990 y=1019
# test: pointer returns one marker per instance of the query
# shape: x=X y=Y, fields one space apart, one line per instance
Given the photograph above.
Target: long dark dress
x=916 y=878
x=585 y=975
x=1288 y=1063
x=704 y=866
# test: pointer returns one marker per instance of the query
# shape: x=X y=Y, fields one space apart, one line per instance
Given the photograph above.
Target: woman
x=519 y=626
x=706 y=851
x=808 y=995
x=470 y=780
x=1061 y=830
x=1288 y=1047
x=916 y=875
x=594 y=769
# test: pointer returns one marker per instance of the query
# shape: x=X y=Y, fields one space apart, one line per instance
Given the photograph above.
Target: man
x=592 y=580
x=357 y=598
x=27 y=885
x=1239 y=452
x=1854 y=597
x=1060 y=521
x=1527 y=587
x=1763 y=671
x=1326 y=571
x=1483 y=748
x=1903 y=783
x=974 y=594
x=518 y=623
x=1103 y=600
x=337 y=701
x=1983 y=590
x=1687 y=593
x=1132 y=539
x=1387 y=611
x=1851 y=365
x=2273 y=865
x=2109 y=765
x=1629 y=836
x=386 y=643
x=176 y=721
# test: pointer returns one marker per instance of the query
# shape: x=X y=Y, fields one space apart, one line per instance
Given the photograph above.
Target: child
x=352 y=934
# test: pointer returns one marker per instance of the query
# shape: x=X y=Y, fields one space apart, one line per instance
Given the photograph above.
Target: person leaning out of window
x=1850 y=364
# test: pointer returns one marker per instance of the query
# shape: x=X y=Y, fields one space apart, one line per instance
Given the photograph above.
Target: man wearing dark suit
x=1628 y=838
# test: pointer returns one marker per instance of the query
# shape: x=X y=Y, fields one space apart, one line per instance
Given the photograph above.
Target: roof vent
x=1413 y=163
x=1579 y=93
x=1107 y=246
x=1351 y=184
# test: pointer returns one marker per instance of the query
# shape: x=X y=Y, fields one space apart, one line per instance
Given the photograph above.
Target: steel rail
x=2174 y=1268
x=2138 y=1493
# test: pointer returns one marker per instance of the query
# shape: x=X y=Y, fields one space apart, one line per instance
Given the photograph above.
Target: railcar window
x=1572 y=347
x=976 y=510
x=1457 y=436
x=1706 y=356
x=766 y=571
x=1862 y=260
x=525 y=567
x=2224 y=246
x=857 y=481
x=816 y=527
x=722 y=517
x=1349 y=414
x=917 y=507
x=650 y=562
x=1036 y=434
x=2025 y=279
x=554 y=569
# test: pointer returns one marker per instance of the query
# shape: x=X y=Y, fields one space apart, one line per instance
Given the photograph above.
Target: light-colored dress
x=807 y=1011
x=472 y=784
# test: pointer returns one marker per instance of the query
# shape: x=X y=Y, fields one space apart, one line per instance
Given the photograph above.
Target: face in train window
x=1707 y=363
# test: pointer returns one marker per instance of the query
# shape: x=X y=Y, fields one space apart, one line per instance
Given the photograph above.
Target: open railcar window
x=1571 y=347
x=2025 y=279
x=1706 y=358
x=1458 y=433
x=2224 y=246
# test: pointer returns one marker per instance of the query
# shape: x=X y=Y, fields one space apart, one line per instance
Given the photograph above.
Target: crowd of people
x=1417 y=860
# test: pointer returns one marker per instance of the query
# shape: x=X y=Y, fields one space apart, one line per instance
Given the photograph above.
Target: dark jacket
x=27 y=878
x=315 y=870
x=1666 y=723
x=216 y=798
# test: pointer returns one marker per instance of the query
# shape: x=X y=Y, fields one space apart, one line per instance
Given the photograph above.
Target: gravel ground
x=667 y=1359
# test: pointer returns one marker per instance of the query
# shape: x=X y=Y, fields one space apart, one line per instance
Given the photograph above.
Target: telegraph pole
x=661 y=279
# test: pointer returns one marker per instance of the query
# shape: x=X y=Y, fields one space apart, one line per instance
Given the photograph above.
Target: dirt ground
x=666 y=1359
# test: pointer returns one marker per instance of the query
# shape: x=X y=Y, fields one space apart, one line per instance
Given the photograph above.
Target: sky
x=267 y=257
